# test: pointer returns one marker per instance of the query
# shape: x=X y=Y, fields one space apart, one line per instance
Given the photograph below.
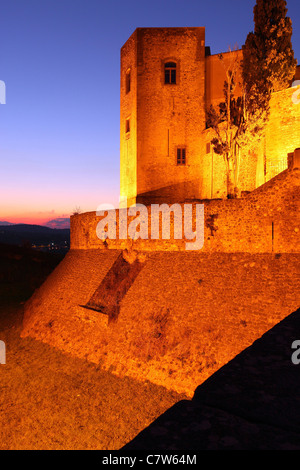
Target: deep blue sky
x=59 y=130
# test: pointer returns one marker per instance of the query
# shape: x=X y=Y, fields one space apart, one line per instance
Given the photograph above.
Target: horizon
x=61 y=67
x=34 y=221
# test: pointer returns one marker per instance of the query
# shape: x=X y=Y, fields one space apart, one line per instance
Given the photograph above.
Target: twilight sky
x=59 y=59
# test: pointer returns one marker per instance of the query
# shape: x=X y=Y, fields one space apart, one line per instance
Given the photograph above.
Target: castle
x=168 y=81
x=147 y=308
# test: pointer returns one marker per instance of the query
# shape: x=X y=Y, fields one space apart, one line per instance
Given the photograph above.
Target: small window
x=181 y=157
x=170 y=73
x=128 y=81
x=127 y=126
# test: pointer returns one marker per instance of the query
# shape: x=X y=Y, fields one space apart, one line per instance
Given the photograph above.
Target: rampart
x=266 y=220
x=150 y=310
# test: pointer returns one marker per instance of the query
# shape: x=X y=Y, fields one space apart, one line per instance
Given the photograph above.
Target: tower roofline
x=182 y=28
x=236 y=51
x=167 y=28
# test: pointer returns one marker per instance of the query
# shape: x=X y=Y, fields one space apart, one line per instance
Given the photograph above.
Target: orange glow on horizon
x=32 y=218
x=39 y=207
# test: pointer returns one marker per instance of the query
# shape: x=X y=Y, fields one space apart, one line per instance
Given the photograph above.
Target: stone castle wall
x=270 y=157
x=174 y=320
x=215 y=75
x=172 y=315
x=283 y=130
x=266 y=220
x=164 y=117
x=170 y=116
x=128 y=111
x=179 y=321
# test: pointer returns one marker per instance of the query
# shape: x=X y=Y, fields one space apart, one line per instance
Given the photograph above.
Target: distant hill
x=61 y=222
x=2 y=222
x=35 y=235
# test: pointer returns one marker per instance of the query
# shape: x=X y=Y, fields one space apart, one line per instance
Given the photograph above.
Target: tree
x=227 y=122
x=268 y=57
x=268 y=65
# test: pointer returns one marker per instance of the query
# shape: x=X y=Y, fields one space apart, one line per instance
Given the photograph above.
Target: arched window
x=170 y=73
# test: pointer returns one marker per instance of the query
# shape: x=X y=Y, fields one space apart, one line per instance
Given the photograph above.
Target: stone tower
x=162 y=114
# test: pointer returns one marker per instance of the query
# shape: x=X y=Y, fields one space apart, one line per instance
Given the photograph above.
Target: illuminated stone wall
x=128 y=111
x=179 y=321
x=270 y=156
x=266 y=220
x=283 y=130
x=215 y=75
x=175 y=318
x=163 y=117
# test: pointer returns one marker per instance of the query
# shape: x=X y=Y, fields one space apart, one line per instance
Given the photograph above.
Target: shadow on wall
x=170 y=194
x=252 y=402
x=108 y=296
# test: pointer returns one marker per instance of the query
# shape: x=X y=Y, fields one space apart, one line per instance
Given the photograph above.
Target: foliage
x=268 y=65
x=228 y=121
x=76 y=211
x=268 y=57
